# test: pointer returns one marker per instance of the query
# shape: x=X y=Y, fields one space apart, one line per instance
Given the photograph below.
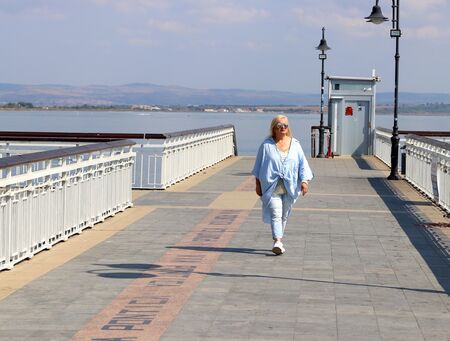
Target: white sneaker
x=278 y=248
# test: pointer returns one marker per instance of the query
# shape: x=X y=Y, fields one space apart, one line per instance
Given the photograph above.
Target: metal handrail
x=436 y=133
x=17 y=160
x=99 y=137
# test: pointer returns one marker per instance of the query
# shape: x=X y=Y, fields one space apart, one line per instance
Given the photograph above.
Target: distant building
x=145 y=107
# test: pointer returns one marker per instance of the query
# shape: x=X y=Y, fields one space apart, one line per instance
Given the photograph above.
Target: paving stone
x=371 y=274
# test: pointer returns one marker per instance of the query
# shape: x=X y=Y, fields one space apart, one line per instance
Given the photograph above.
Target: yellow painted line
x=235 y=201
x=251 y=201
x=309 y=193
x=179 y=207
x=27 y=271
x=350 y=195
x=195 y=179
x=345 y=210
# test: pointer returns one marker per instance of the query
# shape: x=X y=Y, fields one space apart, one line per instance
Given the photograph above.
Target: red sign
x=349 y=111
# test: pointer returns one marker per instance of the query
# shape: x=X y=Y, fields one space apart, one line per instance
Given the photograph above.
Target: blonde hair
x=274 y=123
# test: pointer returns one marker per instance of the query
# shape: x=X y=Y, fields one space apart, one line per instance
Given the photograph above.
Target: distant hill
x=142 y=93
x=413 y=98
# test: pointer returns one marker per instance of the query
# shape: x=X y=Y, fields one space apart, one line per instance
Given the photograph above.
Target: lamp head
x=376 y=16
x=323 y=43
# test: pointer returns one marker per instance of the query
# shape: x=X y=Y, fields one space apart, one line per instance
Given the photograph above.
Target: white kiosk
x=351 y=114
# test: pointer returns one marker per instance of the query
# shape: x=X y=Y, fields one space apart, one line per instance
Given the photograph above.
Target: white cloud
x=419 y=6
x=210 y=11
x=255 y=45
x=48 y=14
x=416 y=13
x=169 y=26
x=142 y=42
x=425 y=19
x=428 y=32
x=18 y=6
x=352 y=22
x=419 y=19
x=230 y=14
x=46 y=9
x=138 y=37
x=127 y=6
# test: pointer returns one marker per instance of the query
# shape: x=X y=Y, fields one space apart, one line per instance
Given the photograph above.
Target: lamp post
x=377 y=17
x=323 y=47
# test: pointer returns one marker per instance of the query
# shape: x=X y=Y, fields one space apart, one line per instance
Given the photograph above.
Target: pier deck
x=365 y=260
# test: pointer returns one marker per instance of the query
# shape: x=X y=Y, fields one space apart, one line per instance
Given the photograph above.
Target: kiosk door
x=354 y=123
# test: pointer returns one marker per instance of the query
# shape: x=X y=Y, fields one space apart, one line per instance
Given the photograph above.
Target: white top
x=280 y=189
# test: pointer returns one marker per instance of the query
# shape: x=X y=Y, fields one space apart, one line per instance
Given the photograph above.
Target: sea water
x=251 y=127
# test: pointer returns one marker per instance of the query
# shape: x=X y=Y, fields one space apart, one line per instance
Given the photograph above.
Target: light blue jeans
x=279 y=211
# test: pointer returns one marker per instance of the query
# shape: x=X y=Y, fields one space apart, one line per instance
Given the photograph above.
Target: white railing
x=428 y=168
x=383 y=145
x=191 y=152
x=46 y=197
x=161 y=159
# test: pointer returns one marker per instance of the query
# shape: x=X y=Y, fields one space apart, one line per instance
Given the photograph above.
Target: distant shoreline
x=304 y=110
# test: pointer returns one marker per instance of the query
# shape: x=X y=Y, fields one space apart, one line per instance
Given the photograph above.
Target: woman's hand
x=258 y=187
x=304 y=188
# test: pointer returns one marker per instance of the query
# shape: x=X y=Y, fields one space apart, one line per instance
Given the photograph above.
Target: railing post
x=28 y=196
x=8 y=237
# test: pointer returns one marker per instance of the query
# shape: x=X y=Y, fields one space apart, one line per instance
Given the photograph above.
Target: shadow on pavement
x=242 y=174
x=125 y=271
x=264 y=252
x=427 y=242
x=319 y=281
x=362 y=164
x=141 y=268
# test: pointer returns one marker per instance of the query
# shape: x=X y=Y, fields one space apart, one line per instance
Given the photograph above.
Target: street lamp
x=377 y=17
x=323 y=47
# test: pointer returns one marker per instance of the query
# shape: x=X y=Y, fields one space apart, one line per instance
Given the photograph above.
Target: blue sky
x=246 y=44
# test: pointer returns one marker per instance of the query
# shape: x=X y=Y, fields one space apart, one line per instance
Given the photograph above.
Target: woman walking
x=282 y=173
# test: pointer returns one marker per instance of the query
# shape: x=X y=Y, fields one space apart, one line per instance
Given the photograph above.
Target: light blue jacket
x=269 y=168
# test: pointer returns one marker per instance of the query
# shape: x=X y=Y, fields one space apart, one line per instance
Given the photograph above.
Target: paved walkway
x=194 y=263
